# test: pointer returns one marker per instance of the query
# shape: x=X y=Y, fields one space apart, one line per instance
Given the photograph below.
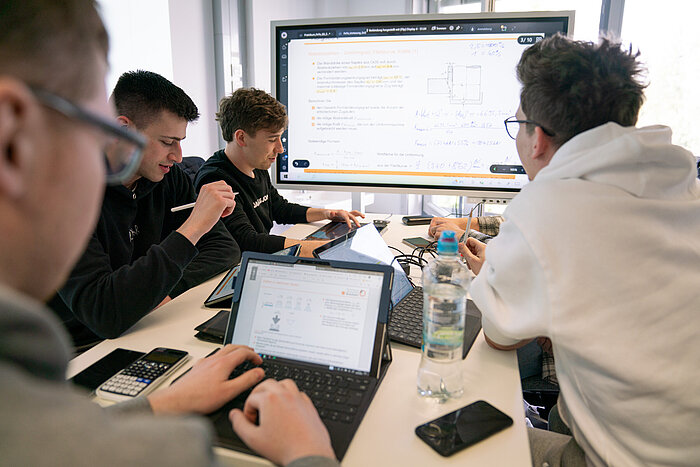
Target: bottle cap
x=447 y=244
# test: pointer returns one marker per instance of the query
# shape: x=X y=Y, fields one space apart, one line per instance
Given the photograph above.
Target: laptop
x=406 y=317
x=321 y=323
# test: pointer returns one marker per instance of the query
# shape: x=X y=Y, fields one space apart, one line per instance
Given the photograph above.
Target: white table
x=386 y=435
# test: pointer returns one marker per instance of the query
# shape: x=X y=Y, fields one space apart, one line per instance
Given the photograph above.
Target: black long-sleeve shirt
x=135 y=257
x=258 y=204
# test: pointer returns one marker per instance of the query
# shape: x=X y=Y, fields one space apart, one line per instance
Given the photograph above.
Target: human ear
x=240 y=136
x=18 y=128
x=125 y=121
x=542 y=149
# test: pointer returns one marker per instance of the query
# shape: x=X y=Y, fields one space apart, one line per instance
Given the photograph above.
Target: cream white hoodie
x=601 y=253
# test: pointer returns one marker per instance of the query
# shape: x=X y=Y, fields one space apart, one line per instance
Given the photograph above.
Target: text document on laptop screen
x=308 y=313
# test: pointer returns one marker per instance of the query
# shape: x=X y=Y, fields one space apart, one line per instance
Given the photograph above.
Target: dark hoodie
x=135 y=257
x=258 y=205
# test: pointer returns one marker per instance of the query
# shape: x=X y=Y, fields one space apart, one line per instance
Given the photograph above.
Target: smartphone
x=144 y=375
x=464 y=427
x=416 y=220
x=416 y=242
x=100 y=371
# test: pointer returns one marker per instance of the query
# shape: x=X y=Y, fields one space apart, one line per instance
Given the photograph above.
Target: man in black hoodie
x=141 y=254
x=252 y=123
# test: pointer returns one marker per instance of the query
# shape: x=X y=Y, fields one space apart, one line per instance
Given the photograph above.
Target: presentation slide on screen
x=420 y=109
x=314 y=315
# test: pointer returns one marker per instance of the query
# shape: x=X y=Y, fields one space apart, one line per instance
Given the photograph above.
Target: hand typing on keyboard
x=207 y=386
x=288 y=426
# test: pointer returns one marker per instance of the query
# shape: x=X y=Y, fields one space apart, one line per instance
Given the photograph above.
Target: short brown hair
x=250 y=110
x=52 y=44
x=573 y=86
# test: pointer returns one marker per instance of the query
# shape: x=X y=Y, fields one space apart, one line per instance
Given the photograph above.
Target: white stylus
x=183 y=207
x=188 y=206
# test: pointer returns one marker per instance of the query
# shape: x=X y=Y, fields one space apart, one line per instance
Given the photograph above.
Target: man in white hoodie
x=600 y=253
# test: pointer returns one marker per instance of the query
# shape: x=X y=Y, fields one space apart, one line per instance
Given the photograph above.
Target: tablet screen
x=224 y=289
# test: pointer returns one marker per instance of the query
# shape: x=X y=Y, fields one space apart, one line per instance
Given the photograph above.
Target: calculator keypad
x=134 y=379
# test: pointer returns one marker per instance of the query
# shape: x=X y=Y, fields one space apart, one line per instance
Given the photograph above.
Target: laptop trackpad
x=225 y=436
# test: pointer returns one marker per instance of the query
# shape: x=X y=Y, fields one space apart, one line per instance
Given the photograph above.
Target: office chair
x=191 y=164
x=537 y=391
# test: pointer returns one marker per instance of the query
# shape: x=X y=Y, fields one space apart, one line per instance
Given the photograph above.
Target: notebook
x=321 y=323
x=406 y=318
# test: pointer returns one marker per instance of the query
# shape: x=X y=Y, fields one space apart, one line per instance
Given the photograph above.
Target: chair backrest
x=191 y=164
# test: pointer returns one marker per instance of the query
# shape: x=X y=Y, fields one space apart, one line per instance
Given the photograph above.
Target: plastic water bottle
x=445 y=283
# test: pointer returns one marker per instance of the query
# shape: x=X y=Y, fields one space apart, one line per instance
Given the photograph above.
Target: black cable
x=394 y=248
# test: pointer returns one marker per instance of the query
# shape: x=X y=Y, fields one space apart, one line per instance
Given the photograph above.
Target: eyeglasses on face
x=123 y=148
x=513 y=125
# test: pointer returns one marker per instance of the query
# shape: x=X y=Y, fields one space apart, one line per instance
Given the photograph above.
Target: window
x=666 y=36
x=586 y=21
x=453 y=6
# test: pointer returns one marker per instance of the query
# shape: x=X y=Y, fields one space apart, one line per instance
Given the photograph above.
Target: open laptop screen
x=366 y=245
x=310 y=313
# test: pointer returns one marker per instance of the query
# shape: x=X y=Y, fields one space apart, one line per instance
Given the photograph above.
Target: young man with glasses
x=142 y=254
x=54 y=127
x=599 y=252
x=488 y=225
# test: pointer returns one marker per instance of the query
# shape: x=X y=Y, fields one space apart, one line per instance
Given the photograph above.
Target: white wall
x=192 y=38
x=139 y=37
x=175 y=39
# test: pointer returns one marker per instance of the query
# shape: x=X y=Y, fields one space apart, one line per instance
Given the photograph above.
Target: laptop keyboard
x=336 y=397
x=406 y=322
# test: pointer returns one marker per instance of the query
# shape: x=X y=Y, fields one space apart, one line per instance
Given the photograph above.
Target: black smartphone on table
x=463 y=427
x=93 y=376
x=416 y=242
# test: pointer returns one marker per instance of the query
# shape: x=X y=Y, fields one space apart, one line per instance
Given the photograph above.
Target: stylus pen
x=183 y=207
x=469 y=224
x=188 y=206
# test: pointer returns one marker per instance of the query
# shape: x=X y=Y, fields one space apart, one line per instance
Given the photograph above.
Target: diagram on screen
x=275 y=326
x=461 y=83
x=285 y=311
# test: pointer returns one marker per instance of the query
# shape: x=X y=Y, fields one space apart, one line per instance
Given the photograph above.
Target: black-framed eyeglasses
x=513 y=125
x=123 y=150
